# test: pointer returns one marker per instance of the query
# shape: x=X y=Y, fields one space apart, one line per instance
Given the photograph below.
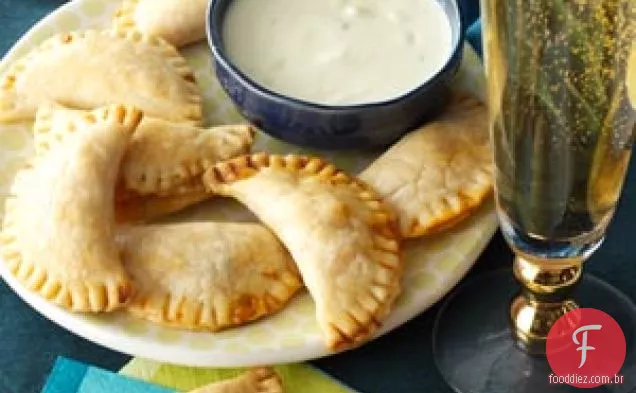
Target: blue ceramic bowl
x=333 y=127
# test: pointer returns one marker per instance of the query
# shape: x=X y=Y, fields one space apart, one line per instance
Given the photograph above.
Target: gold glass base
x=544 y=298
x=475 y=352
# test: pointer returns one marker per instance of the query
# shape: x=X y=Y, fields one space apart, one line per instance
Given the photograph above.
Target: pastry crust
x=340 y=234
x=437 y=175
x=162 y=155
x=207 y=275
x=178 y=22
x=91 y=69
x=58 y=232
x=147 y=208
x=258 y=380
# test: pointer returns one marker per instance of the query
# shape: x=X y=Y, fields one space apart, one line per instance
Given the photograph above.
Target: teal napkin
x=69 y=376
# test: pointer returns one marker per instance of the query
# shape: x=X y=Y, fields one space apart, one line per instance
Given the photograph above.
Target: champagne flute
x=562 y=115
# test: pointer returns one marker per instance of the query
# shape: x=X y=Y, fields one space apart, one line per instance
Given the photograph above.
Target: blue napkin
x=69 y=376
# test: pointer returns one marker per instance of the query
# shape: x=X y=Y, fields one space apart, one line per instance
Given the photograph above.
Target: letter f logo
x=584 y=347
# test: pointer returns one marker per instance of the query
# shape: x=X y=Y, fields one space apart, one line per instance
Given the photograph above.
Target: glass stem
x=546 y=287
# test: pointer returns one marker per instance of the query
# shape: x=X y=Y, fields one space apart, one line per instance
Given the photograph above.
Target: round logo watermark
x=586 y=348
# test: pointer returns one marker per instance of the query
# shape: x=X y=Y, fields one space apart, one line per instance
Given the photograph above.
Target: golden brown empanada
x=91 y=69
x=131 y=206
x=58 y=235
x=178 y=22
x=54 y=124
x=436 y=175
x=258 y=380
x=207 y=275
x=338 y=231
x=162 y=154
x=149 y=207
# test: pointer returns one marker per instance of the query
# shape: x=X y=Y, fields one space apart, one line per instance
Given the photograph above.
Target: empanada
x=178 y=22
x=207 y=275
x=258 y=380
x=162 y=154
x=58 y=235
x=91 y=69
x=338 y=231
x=436 y=175
x=142 y=208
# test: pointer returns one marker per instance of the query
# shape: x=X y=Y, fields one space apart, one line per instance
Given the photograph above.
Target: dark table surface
x=400 y=362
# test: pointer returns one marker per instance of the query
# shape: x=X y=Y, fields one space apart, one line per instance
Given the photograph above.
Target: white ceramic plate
x=434 y=265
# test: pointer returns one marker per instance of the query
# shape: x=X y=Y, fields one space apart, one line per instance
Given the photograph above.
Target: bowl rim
x=215 y=41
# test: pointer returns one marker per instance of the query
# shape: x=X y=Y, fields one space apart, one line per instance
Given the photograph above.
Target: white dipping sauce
x=338 y=52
